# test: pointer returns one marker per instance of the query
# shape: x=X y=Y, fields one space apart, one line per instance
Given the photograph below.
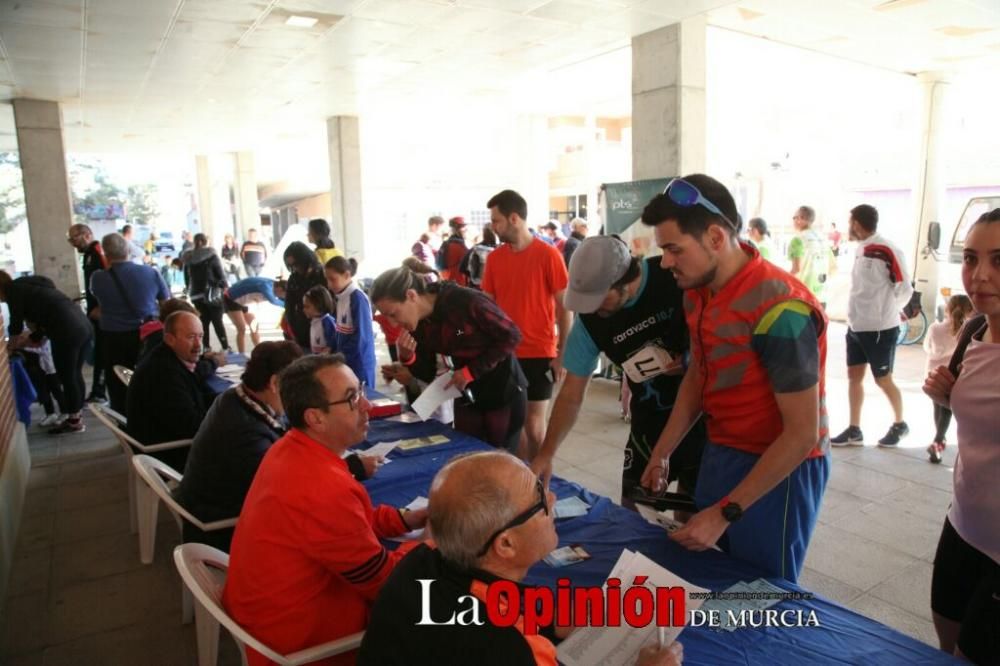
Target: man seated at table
x=239 y=429
x=167 y=399
x=492 y=520
x=306 y=562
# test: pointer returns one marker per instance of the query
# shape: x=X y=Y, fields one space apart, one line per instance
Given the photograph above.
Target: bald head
x=182 y=332
x=473 y=497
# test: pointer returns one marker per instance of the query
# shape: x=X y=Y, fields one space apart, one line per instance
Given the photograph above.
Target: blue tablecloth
x=844 y=637
x=217 y=383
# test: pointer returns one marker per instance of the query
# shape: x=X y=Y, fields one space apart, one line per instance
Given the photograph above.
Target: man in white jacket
x=880 y=287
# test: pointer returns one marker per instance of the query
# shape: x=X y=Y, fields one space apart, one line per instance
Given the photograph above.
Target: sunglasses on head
x=686 y=195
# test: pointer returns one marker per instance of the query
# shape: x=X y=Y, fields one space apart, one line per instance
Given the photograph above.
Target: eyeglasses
x=353 y=400
x=686 y=195
x=541 y=505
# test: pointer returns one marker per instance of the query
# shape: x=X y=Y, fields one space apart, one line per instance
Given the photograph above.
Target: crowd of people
x=723 y=353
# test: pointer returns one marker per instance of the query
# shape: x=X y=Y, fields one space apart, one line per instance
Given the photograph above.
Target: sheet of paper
x=381 y=449
x=434 y=395
x=571 y=507
x=420 y=442
x=621 y=645
x=658 y=517
x=420 y=502
x=230 y=369
x=757 y=587
x=405 y=417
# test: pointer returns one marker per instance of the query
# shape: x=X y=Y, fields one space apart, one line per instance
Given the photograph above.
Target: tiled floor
x=79 y=595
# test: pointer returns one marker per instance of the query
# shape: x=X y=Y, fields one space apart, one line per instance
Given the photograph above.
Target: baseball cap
x=456 y=222
x=597 y=263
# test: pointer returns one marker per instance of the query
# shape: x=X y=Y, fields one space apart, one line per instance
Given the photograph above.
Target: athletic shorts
x=774 y=531
x=876 y=348
x=540 y=377
x=232 y=306
x=965 y=588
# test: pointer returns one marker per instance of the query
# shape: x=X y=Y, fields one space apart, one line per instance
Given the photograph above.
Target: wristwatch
x=731 y=511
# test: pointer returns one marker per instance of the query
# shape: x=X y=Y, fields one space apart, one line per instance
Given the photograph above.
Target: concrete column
x=247 y=210
x=344 y=148
x=668 y=100
x=47 y=197
x=930 y=186
x=533 y=166
x=204 y=184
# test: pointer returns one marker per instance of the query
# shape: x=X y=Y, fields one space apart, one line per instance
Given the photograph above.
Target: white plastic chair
x=155 y=475
x=116 y=423
x=124 y=374
x=203 y=570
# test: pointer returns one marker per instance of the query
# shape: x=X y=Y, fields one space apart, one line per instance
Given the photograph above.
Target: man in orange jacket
x=758 y=354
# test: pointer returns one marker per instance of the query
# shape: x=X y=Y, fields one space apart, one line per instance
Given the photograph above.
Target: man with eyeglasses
x=82 y=239
x=492 y=520
x=758 y=353
x=306 y=562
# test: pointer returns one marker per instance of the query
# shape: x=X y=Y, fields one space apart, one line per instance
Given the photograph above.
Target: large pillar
x=930 y=185
x=344 y=148
x=668 y=100
x=205 y=212
x=247 y=210
x=47 y=198
x=533 y=166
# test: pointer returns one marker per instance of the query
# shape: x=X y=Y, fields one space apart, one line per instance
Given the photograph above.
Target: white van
x=950 y=267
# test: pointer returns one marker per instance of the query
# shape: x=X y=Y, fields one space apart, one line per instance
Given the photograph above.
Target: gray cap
x=597 y=264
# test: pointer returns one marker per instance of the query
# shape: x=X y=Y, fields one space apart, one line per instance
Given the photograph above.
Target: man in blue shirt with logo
x=632 y=310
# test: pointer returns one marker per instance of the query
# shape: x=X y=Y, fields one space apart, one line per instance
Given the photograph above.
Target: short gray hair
x=115 y=247
x=461 y=530
x=577 y=222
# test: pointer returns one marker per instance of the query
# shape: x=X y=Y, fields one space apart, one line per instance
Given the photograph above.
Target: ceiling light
x=301 y=21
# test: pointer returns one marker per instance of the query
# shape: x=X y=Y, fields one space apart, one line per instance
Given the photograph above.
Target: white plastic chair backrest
x=124 y=374
x=155 y=473
x=194 y=561
x=103 y=415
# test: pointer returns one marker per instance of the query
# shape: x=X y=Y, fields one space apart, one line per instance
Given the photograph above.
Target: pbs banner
x=624 y=202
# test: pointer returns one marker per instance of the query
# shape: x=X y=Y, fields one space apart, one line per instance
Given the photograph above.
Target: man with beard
x=758 y=353
x=631 y=310
x=526 y=277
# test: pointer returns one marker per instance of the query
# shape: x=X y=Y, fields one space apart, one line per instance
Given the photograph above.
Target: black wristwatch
x=731 y=511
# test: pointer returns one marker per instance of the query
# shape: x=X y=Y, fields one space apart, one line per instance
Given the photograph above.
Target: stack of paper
x=621 y=645
x=231 y=372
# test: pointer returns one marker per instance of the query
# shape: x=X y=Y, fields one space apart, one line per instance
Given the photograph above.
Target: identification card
x=650 y=361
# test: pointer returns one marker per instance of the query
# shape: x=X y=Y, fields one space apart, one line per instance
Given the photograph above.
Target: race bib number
x=648 y=362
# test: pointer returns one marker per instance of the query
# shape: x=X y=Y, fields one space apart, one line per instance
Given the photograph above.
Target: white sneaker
x=50 y=420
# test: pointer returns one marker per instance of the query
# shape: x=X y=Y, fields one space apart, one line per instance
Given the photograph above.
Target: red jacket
x=737 y=394
x=306 y=562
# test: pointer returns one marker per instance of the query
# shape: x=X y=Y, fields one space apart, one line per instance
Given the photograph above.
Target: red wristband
x=723 y=502
x=467 y=374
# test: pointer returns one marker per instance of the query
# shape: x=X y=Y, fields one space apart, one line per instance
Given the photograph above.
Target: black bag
x=213 y=295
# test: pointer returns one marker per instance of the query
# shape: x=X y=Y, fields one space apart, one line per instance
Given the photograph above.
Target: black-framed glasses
x=353 y=400
x=541 y=505
x=686 y=195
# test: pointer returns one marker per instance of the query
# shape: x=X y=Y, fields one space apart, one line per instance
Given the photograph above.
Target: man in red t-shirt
x=526 y=277
x=306 y=562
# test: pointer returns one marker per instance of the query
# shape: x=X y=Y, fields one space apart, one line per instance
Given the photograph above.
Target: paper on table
x=420 y=502
x=434 y=395
x=621 y=645
x=570 y=507
x=753 y=596
x=230 y=368
x=381 y=449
